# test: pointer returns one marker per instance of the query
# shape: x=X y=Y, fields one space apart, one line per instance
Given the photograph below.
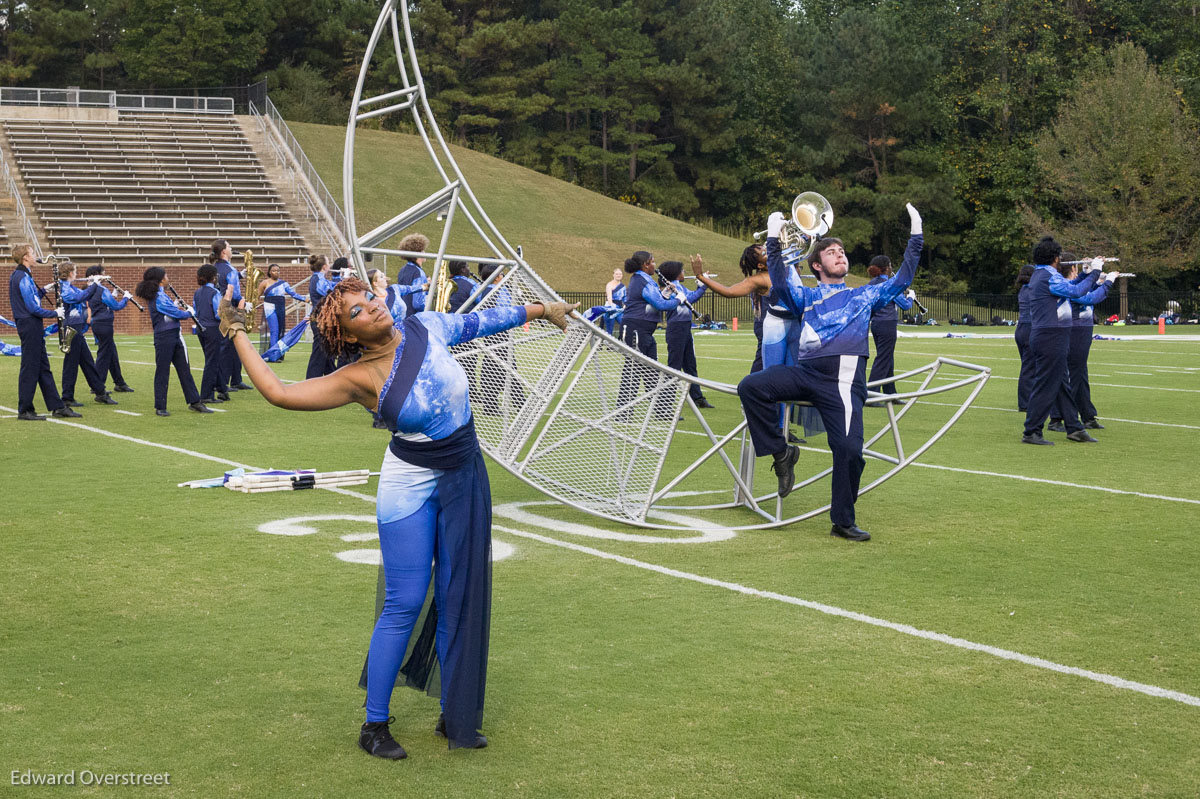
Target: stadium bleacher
x=152 y=189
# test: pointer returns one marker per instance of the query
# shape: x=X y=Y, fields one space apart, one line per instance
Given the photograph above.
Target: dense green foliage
x=722 y=110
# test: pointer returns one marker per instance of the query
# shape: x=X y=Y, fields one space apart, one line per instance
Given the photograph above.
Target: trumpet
x=811 y=218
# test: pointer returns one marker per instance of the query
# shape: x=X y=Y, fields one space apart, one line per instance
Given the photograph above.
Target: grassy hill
x=573 y=237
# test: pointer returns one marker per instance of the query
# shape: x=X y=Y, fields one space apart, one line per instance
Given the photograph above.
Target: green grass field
x=149 y=628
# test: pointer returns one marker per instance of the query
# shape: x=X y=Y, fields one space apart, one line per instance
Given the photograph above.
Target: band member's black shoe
x=1093 y=424
x=376 y=739
x=106 y=399
x=1081 y=436
x=1036 y=438
x=704 y=403
x=223 y=396
x=66 y=413
x=439 y=730
x=795 y=439
x=211 y=400
x=162 y=412
x=851 y=533
x=785 y=469
x=1057 y=426
x=70 y=403
x=31 y=416
x=241 y=387
x=199 y=407
x=123 y=389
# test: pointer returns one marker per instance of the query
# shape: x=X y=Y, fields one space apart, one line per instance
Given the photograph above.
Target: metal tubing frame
x=558 y=384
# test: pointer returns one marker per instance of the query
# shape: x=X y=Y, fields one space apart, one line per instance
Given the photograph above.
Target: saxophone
x=254 y=278
x=65 y=332
x=443 y=289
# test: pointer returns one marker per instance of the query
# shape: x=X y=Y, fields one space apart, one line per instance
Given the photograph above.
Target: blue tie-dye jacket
x=836 y=319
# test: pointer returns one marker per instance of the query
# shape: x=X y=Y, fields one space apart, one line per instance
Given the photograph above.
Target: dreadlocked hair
x=327 y=322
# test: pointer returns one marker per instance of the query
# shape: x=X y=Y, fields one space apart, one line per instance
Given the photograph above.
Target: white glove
x=49 y=287
x=93 y=279
x=61 y=314
x=128 y=296
x=190 y=310
x=914 y=219
x=1096 y=265
x=775 y=225
x=912 y=295
x=1112 y=276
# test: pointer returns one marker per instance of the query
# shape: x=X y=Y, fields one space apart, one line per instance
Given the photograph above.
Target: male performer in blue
x=434 y=502
x=231 y=368
x=103 y=305
x=1021 y=337
x=1078 y=388
x=832 y=365
x=79 y=357
x=884 y=322
x=412 y=273
x=1050 y=319
x=206 y=300
x=274 y=299
x=681 y=348
x=25 y=299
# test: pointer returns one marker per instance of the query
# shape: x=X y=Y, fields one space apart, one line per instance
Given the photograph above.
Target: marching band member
x=1078 y=388
x=614 y=301
x=25 y=299
x=272 y=290
x=644 y=306
x=464 y=285
x=103 y=305
x=79 y=357
x=169 y=348
x=434 y=502
x=231 y=369
x=412 y=273
x=320 y=284
x=831 y=371
x=884 y=322
x=495 y=378
x=1050 y=318
x=206 y=299
x=393 y=293
x=681 y=348
x=1021 y=335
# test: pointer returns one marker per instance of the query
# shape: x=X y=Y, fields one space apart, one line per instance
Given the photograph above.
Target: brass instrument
x=65 y=332
x=254 y=278
x=443 y=289
x=811 y=218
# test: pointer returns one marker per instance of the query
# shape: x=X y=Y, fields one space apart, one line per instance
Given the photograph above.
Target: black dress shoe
x=785 y=469
x=70 y=403
x=704 y=403
x=1036 y=438
x=66 y=413
x=376 y=739
x=241 y=387
x=211 y=400
x=1057 y=426
x=795 y=439
x=851 y=533
x=223 y=397
x=1081 y=436
x=439 y=730
x=1093 y=424
x=123 y=389
x=31 y=416
x=199 y=407
x=162 y=412
x=106 y=399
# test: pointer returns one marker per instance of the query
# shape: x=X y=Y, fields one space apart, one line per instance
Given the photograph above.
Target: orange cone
x=735 y=324
x=1162 y=326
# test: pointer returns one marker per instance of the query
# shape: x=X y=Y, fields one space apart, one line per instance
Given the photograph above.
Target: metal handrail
x=26 y=226
x=100 y=98
x=289 y=139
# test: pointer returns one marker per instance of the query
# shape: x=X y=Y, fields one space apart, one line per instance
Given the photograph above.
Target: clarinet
x=113 y=283
x=663 y=282
x=180 y=302
x=64 y=343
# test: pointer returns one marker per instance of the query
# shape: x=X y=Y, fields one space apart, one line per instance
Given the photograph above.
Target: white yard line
x=128 y=413
x=1102 y=418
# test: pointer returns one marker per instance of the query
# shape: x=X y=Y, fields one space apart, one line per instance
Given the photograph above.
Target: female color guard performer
x=681 y=349
x=79 y=357
x=168 y=341
x=272 y=290
x=1021 y=335
x=434 y=502
x=614 y=301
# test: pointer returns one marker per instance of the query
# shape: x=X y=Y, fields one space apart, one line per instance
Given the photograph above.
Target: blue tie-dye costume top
x=835 y=318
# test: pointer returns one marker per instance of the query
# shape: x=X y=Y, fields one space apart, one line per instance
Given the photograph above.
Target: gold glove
x=556 y=313
x=232 y=319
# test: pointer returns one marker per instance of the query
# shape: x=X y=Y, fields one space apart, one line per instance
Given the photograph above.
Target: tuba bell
x=811 y=218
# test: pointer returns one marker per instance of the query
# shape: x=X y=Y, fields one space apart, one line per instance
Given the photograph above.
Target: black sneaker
x=199 y=407
x=704 y=403
x=1093 y=424
x=162 y=412
x=241 y=387
x=785 y=469
x=106 y=399
x=851 y=533
x=211 y=400
x=66 y=413
x=376 y=739
x=1081 y=436
x=70 y=403
x=1057 y=426
x=31 y=416
x=795 y=439
x=1036 y=438
x=123 y=389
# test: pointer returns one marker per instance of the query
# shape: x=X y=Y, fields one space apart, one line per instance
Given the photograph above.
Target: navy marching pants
x=35 y=368
x=836 y=386
x=319 y=362
x=169 y=351
x=884 y=365
x=80 y=358
x=681 y=353
x=231 y=364
x=213 y=376
x=1025 y=380
x=1078 y=388
x=1049 y=346
x=107 y=360
x=639 y=334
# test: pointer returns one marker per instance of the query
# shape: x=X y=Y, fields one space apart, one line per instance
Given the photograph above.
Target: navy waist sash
x=451 y=452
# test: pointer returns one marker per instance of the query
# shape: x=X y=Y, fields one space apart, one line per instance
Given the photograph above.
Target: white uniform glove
x=49 y=287
x=128 y=296
x=914 y=219
x=912 y=295
x=1112 y=276
x=1096 y=265
x=61 y=314
x=191 y=311
x=775 y=225
x=93 y=279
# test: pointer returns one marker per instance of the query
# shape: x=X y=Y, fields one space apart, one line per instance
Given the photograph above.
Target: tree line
x=1000 y=119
